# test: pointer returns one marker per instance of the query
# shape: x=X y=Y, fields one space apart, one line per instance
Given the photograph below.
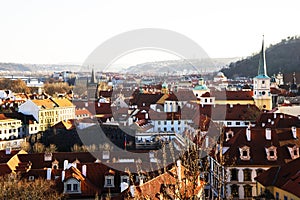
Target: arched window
x=234 y=190
x=247 y=174
x=247 y=191
x=234 y=174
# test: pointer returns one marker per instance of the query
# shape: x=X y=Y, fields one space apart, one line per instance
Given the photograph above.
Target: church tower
x=261 y=84
x=92 y=85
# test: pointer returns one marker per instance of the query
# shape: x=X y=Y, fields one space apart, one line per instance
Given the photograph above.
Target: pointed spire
x=262 y=68
x=294 y=78
x=93 y=78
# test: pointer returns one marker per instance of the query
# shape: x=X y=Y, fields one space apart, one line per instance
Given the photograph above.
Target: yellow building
x=48 y=112
x=282 y=181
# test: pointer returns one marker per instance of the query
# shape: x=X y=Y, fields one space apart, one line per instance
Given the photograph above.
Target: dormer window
x=125 y=179
x=109 y=181
x=140 y=178
x=48 y=156
x=55 y=164
x=271 y=153
x=31 y=178
x=245 y=153
x=294 y=152
x=72 y=186
x=105 y=155
x=229 y=135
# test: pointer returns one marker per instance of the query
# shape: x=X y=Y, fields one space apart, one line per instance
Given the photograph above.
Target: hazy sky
x=60 y=31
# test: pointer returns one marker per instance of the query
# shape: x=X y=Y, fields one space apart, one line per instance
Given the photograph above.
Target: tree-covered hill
x=284 y=57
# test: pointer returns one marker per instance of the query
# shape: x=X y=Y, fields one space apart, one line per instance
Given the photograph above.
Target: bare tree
x=14 y=188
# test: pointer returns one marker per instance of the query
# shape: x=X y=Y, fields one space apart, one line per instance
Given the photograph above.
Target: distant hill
x=16 y=67
x=180 y=66
x=284 y=57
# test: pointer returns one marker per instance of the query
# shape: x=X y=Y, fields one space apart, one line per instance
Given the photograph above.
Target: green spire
x=262 y=68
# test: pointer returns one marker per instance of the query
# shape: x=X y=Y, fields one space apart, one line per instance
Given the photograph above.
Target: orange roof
x=63 y=102
x=52 y=103
x=46 y=103
x=82 y=112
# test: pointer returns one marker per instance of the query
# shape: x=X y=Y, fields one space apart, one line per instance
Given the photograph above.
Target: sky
x=67 y=31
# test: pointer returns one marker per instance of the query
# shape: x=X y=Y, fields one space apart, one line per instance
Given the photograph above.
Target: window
x=271 y=153
x=75 y=187
x=228 y=123
x=69 y=187
x=72 y=185
x=109 y=181
x=245 y=153
x=248 y=191
x=277 y=196
x=285 y=198
x=234 y=175
x=259 y=172
x=229 y=135
x=235 y=190
x=294 y=152
x=125 y=179
x=247 y=174
x=238 y=123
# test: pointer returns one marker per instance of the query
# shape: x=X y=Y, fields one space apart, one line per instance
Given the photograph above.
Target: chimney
x=84 y=170
x=124 y=186
x=8 y=150
x=63 y=175
x=179 y=170
x=294 y=132
x=248 y=134
x=268 y=134
x=48 y=174
x=141 y=180
x=206 y=142
x=66 y=162
x=132 y=190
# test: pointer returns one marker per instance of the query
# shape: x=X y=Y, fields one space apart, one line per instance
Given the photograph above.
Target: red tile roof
x=232 y=95
x=285 y=177
x=4 y=169
x=257 y=145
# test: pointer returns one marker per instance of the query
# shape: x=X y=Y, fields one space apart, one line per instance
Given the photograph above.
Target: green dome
x=200 y=87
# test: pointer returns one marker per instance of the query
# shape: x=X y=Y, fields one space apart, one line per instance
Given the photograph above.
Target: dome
x=220 y=74
x=200 y=87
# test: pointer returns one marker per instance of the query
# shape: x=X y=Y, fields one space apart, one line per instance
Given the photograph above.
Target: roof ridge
x=276 y=176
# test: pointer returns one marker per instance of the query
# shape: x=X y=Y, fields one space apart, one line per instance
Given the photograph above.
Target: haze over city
x=52 y=32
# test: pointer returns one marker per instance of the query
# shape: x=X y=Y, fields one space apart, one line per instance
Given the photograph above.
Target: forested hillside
x=284 y=57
